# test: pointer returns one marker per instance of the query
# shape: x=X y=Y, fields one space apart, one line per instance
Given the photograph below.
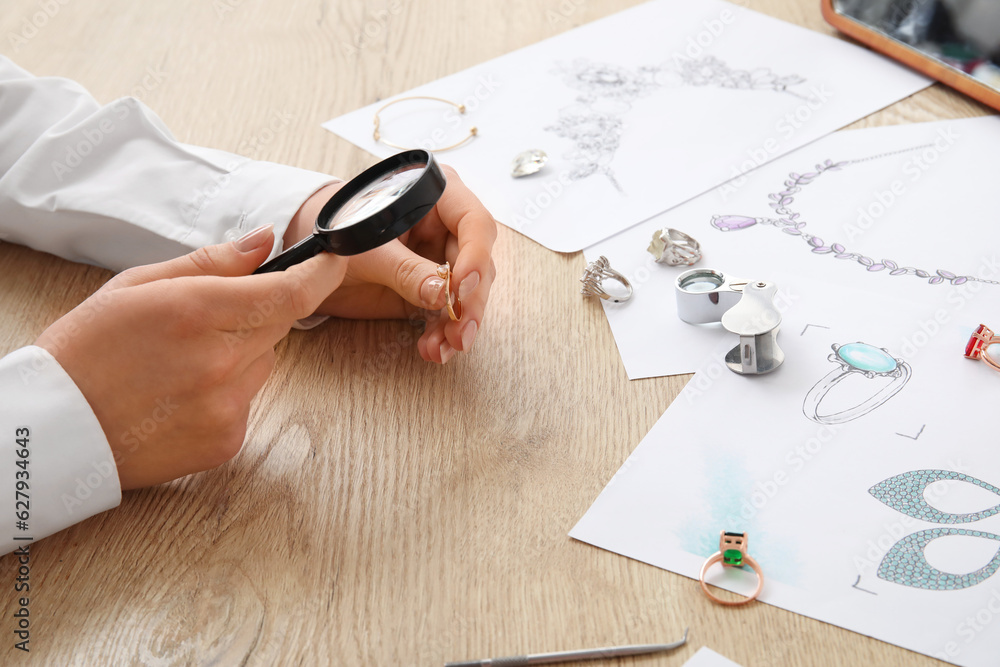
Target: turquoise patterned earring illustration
x=905 y=494
x=905 y=562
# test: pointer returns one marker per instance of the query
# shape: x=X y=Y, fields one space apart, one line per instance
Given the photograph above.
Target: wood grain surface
x=384 y=511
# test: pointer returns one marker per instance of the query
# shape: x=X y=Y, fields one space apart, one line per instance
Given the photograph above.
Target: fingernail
x=431 y=291
x=470 y=283
x=469 y=335
x=252 y=240
x=447 y=352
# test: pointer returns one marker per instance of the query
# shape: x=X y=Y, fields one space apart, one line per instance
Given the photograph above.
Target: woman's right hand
x=170 y=355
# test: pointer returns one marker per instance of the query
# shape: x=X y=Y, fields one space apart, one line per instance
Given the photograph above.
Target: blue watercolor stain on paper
x=727 y=503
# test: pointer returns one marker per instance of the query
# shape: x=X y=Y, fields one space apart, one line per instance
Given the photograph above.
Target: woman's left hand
x=399 y=280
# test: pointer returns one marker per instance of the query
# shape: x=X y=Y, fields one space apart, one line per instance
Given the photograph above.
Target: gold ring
x=451 y=301
x=732 y=553
x=977 y=347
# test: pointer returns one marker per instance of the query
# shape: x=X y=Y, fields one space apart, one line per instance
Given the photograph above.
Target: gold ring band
x=732 y=553
x=452 y=303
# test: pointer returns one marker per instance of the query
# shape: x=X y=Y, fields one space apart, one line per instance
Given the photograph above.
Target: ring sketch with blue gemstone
x=874 y=364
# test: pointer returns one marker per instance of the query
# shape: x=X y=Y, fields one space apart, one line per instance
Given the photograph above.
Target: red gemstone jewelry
x=977 y=346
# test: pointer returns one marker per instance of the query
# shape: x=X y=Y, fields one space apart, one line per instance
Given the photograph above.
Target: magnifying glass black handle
x=308 y=247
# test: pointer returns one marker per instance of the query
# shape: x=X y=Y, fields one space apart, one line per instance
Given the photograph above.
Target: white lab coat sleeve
x=109 y=185
x=55 y=461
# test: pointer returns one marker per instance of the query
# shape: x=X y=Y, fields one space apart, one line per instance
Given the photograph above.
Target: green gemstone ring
x=732 y=553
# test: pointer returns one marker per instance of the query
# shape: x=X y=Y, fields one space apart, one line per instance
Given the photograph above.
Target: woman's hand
x=170 y=355
x=399 y=280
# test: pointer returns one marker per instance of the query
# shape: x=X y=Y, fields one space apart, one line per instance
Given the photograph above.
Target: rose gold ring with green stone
x=732 y=553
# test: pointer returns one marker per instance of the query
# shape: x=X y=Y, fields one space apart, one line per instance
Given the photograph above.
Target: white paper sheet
x=741 y=454
x=658 y=103
x=706 y=657
x=932 y=208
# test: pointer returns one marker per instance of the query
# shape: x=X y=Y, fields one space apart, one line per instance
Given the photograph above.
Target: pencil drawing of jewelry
x=905 y=562
x=791 y=223
x=711 y=71
x=594 y=122
x=873 y=363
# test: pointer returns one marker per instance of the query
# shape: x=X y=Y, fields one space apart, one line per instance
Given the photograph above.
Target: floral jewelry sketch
x=857 y=359
x=791 y=223
x=594 y=122
x=905 y=562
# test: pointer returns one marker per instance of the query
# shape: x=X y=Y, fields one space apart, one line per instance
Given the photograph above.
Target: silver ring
x=674 y=248
x=593 y=277
x=857 y=359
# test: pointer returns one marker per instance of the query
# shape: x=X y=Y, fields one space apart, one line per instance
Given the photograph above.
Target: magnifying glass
x=373 y=208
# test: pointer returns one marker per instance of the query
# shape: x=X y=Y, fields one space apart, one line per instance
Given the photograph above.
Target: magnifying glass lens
x=701 y=281
x=381 y=193
x=377 y=206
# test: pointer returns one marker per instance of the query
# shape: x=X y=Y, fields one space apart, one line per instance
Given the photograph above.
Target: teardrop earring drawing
x=905 y=562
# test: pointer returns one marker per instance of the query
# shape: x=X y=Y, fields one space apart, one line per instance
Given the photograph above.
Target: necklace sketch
x=791 y=223
x=594 y=122
x=905 y=563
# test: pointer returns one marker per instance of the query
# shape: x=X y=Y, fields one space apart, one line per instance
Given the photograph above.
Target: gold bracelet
x=473 y=131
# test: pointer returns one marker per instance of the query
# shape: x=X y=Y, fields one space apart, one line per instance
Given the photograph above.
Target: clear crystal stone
x=528 y=162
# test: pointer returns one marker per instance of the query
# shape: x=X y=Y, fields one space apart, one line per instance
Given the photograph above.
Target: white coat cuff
x=256 y=194
x=72 y=472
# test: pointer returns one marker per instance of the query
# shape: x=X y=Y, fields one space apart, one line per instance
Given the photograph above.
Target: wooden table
x=384 y=511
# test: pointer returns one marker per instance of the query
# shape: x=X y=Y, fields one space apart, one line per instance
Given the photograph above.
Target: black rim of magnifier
x=379 y=228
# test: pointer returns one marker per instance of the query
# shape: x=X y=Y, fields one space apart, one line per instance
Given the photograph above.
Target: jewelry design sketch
x=594 y=123
x=854 y=359
x=906 y=564
x=790 y=222
x=905 y=494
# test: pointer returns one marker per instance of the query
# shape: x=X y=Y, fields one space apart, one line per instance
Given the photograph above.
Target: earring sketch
x=377 y=134
x=857 y=358
x=906 y=564
x=905 y=494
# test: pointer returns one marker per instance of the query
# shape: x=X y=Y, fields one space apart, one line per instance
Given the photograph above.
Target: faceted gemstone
x=973 y=343
x=867 y=357
x=732 y=557
x=529 y=162
x=729 y=223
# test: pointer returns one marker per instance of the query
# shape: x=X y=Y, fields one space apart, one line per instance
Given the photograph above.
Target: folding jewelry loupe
x=745 y=308
x=704 y=295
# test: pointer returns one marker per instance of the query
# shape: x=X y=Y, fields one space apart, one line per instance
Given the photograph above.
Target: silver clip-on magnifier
x=378 y=205
x=704 y=295
x=744 y=308
x=755 y=319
